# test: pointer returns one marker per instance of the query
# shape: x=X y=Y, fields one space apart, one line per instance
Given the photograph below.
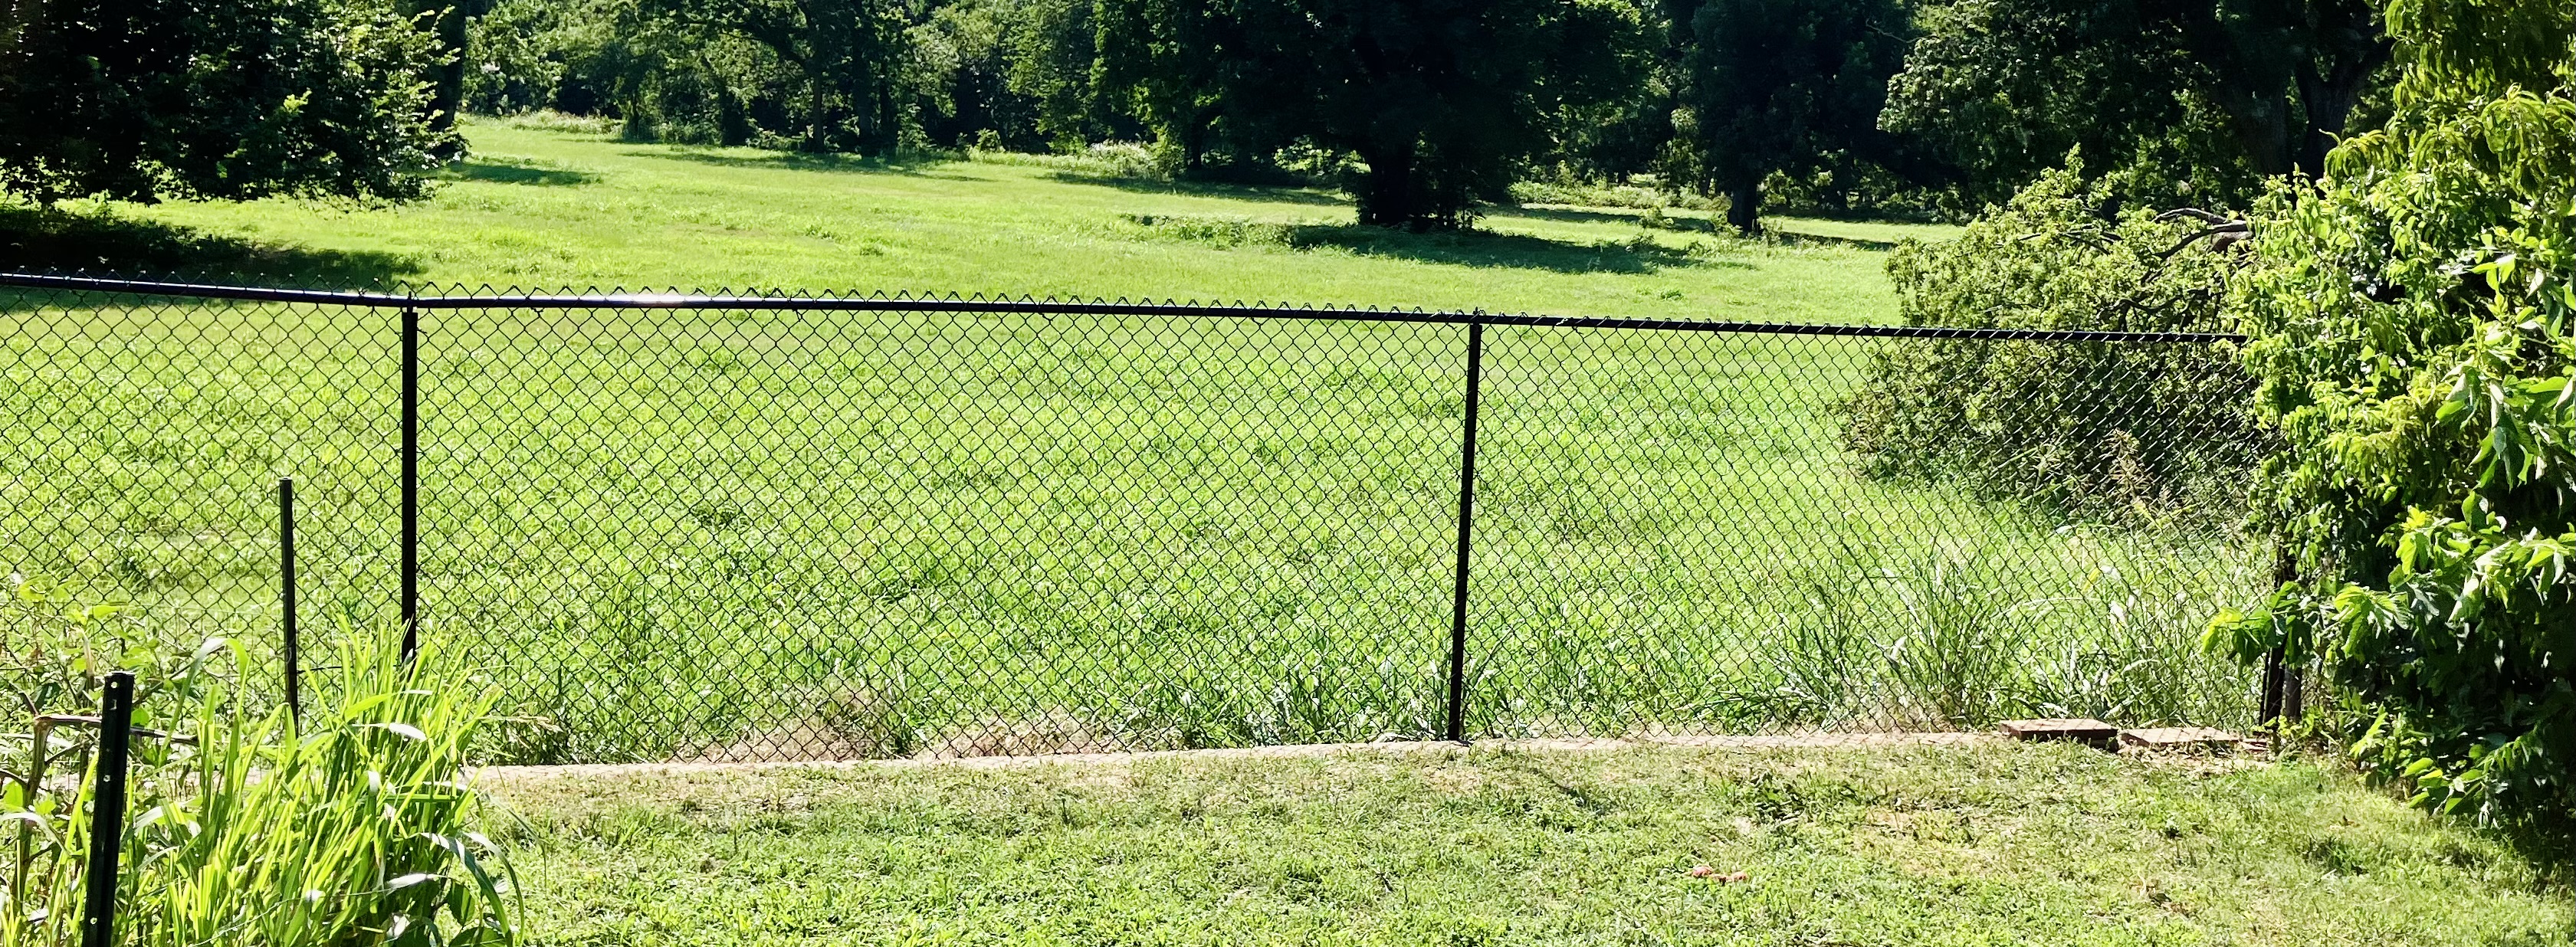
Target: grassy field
x=734 y=535
x=538 y=208
x=1948 y=846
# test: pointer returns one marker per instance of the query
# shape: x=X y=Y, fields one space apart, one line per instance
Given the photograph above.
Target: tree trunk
x=733 y=128
x=1744 y=208
x=2347 y=48
x=2261 y=122
x=447 y=79
x=889 y=130
x=1201 y=124
x=2329 y=104
x=816 y=116
x=1388 y=198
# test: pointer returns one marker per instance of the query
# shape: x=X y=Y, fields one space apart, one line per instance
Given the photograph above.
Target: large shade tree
x=850 y=59
x=237 y=99
x=1439 y=98
x=1783 y=86
x=1159 y=62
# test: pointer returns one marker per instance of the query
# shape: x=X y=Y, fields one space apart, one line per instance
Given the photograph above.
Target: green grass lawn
x=546 y=208
x=1985 y=845
x=763 y=534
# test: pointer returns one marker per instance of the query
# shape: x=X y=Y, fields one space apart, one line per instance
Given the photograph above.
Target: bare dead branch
x=2230 y=227
x=2194 y=213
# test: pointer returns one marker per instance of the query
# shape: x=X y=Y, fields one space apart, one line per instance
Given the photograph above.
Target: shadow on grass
x=2549 y=847
x=502 y=172
x=1640 y=254
x=1275 y=194
x=1486 y=248
x=1792 y=238
x=37 y=240
x=1574 y=215
x=799 y=161
x=1776 y=234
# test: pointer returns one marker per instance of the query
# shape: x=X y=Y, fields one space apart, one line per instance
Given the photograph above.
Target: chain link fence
x=760 y=527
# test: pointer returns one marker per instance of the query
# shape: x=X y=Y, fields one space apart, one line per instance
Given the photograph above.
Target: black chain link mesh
x=145 y=439
x=779 y=532
x=1676 y=532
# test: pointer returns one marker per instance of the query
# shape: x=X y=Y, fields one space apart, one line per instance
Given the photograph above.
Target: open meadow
x=743 y=535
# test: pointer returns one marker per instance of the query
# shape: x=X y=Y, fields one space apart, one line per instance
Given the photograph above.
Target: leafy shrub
x=55 y=651
x=246 y=826
x=231 y=100
x=2118 y=432
x=1106 y=161
x=2411 y=322
x=1583 y=194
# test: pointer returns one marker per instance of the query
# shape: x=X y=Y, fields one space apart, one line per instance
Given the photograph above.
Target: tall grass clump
x=1960 y=637
x=350 y=827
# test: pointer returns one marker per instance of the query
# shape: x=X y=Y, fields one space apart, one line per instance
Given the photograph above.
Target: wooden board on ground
x=2179 y=738
x=2085 y=729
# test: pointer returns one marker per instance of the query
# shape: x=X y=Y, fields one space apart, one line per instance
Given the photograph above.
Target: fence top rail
x=1029 y=306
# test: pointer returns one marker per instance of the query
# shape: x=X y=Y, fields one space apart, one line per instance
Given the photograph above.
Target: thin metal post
x=2276 y=670
x=286 y=596
x=107 y=811
x=410 y=481
x=2272 y=687
x=1457 y=731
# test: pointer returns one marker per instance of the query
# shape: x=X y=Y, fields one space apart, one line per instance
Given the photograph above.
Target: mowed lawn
x=549 y=208
x=1908 y=847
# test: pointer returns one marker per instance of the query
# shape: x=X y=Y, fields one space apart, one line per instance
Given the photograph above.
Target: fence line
x=793 y=526
x=1051 y=307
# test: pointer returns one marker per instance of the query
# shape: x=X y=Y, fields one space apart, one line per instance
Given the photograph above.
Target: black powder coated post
x=410 y=481
x=2276 y=670
x=1457 y=730
x=107 y=811
x=286 y=596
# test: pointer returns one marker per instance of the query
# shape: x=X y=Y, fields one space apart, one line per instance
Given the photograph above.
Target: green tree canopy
x=2128 y=433
x=235 y=99
x=2198 y=98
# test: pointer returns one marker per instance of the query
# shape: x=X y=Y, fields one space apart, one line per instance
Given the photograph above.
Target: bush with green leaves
x=246 y=826
x=2100 y=431
x=2414 y=328
x=223 y=99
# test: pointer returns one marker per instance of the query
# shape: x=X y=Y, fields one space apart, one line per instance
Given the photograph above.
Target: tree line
x=1422 y=109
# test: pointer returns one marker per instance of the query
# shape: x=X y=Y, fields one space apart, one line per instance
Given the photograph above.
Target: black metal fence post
x=107 y=811
x=1457 y=729
x=2276 y=670
x=2272 y=681
x=410 y=480
x=286 y=597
